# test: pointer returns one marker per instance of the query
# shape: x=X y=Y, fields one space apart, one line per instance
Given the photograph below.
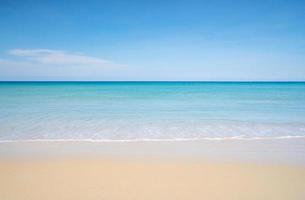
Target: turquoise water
x=151 y=110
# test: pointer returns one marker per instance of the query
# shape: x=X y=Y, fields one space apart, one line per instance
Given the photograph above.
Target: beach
x=152 y=140
x=153 y=170
x=152 y=100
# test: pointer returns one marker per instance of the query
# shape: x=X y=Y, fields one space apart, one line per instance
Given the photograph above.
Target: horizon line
x=262 y=81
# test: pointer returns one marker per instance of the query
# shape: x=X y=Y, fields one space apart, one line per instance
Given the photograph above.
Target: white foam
x=156 y=140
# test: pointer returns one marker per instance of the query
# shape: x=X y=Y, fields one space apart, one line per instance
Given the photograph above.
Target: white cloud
x=54 y=63
x=58 y=57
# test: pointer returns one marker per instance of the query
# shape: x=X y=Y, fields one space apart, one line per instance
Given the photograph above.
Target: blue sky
x=152 y=40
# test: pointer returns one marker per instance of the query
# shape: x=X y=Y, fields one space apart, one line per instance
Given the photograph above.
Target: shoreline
x=281 y=151
x=156 y=140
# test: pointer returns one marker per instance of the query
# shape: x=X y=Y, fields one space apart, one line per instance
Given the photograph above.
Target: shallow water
x=151 y=110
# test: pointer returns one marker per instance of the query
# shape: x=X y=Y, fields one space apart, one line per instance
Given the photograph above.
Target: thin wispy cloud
x=58 y=57
x=54 y=63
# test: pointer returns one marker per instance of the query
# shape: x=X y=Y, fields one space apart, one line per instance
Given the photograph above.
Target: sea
x=151 y=111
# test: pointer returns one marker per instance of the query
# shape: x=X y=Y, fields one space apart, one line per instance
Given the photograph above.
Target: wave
x=157 y=140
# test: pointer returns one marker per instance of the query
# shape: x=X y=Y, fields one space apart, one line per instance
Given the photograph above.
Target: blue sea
x=127 y=111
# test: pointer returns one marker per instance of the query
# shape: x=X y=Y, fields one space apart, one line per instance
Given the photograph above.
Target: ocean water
x=126 y=111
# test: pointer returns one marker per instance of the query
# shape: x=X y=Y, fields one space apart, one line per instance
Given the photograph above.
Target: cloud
x=54 y=63
x=58 y=57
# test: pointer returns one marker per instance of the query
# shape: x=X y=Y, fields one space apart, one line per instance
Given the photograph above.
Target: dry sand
x=128 y=177
x=142 y=179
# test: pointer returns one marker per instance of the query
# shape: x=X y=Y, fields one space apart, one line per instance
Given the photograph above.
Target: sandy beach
x=64 y=170
x=121 y=179
x=152 y=100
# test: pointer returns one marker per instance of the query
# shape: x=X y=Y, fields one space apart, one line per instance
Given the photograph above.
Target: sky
x=217 y=40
